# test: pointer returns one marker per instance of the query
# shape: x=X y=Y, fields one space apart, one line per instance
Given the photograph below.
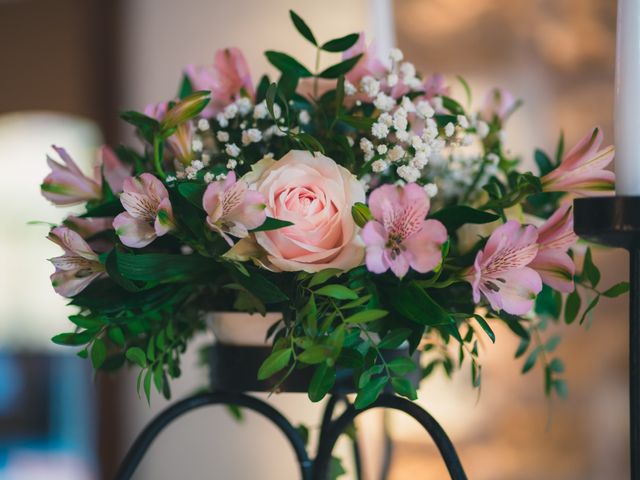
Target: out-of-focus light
x=30 y=311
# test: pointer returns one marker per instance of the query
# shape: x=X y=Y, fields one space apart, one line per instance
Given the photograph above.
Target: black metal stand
x=615 y=221
x=229 y=390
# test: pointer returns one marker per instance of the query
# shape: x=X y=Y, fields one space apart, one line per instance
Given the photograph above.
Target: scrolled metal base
x=331 y=429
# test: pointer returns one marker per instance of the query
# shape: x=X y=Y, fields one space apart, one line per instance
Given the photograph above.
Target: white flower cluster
x=408 y=149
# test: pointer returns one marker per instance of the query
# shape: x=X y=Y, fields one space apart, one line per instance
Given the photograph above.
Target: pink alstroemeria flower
x=115 y=172
x=78 y=267
x=499 y=103
x=435 y=86
x=227 y=79
x=500 y=271
x=399 y=237
x=369 y=63
x=555 y=237
x=66 y=184
x=89 y=228
x=582 y=169
x=180 y=142
x=232 y=208
x=148 y=211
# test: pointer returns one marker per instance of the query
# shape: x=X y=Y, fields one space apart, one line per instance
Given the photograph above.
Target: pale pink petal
x=557 y=231
x=399 y=263
x=69 y=283
x=133 y=233
x=114 y=171
x=556 y=269
x=517 y=290
x=164 y=221
x=374 y=234
x=583 y=150
x=425 y=246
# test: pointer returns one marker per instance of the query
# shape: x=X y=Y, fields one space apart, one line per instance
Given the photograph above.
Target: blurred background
x=69 y=66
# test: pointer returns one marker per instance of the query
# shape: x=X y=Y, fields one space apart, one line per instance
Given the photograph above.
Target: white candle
x=627 y=108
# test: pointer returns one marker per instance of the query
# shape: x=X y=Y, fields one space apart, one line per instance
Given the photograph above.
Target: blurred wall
x=558 y=56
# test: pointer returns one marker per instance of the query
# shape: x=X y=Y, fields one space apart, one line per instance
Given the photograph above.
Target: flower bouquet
x=358 y=202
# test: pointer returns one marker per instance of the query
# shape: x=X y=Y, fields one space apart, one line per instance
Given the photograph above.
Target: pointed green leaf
x=302 y=27
x=274 y=363
x=340 y=44
x=341 y=68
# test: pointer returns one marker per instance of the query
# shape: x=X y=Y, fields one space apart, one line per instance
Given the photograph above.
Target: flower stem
x=157 y=160
x=315 y=75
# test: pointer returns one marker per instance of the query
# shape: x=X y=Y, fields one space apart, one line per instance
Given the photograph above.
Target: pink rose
x=316 y=195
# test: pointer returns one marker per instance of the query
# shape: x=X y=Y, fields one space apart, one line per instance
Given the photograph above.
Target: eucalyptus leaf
x=302 y=27
x=341 y=68
x=286 y=63
x=340 y=44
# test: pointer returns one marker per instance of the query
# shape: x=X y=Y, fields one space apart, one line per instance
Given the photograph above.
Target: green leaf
x=323 y=275
x=302 y=27
x=309 y=142
x=315 y=354
x=274 y=363
x=116 y=335
x=617 y=290
x=139 y=120
x=370 y=393
x=543 y=161
x=560 y=149
x=73 y=339
x=336 y=470
x=193 y=192
x=357 y=122
x=589 y=308
x=162 y=267
x=256 y=283
x=404 y=387
x=453 y=106
x=556 y=365
x=137 y=356
x=88 y=322
x=339 y=292
x=485 y=326
x=147 y=385
x=186 y=88
x=413 y=303
x=98 y=353
x=340 y=44
x=401 y=365
x=361 y=214
x=589 y=269
x=522 y=347
x=560 y=387
x=531 y=360
x=321 y=383
x=395 y=338
x=366 y=316
x=467 y=89
x=341 y=68
x=552 y=343
x=272 y=224
x=365 y=377
x=572 y=307
x=288 y=64
x=458 y=215
x=513 y=322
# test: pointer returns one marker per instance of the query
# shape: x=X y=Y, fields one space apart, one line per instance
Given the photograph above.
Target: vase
x=241 y=328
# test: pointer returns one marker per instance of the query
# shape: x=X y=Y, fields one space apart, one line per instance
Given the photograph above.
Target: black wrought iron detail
x=331 y=429
x=615 y=221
